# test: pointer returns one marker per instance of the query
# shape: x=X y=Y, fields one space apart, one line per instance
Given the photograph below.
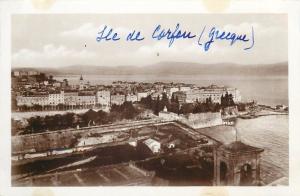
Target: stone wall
x=41 y=142
x=201 y=120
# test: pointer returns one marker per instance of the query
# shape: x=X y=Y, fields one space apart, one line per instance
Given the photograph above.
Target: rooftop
x=238 y=146
x=112 y=175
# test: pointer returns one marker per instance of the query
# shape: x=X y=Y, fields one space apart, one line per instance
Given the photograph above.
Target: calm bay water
x=266 y=90
x=272 y=134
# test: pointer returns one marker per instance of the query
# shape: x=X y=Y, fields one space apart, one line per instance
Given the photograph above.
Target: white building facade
x=57 y=98
x=103 y=98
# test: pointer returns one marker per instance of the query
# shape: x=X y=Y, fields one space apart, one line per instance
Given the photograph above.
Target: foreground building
x=237 y=164
x=112 y=175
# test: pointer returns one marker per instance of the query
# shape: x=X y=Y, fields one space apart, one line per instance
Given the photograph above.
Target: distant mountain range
x=172 y=68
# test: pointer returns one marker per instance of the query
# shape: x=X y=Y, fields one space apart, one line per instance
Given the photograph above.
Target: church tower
x=81 y=83
x=237 y=164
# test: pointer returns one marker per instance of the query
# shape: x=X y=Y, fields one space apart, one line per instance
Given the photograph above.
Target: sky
x=56 y=40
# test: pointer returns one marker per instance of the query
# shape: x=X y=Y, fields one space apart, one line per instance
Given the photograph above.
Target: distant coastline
x=170 y=68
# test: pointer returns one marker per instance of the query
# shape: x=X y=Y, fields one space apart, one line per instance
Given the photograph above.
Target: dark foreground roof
x=113 y=175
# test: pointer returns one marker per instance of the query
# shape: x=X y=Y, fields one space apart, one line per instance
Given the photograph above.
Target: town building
x=57 y=98
x=85 y=100
x=103 y=98
x=194 y=96
x=153 y=145
x=57 y=84
x=213 y=92
x=156 y=95
x=81 y=83
x=184 y=88
x=29 y=101
x=216 y=92
x=181 y=96
x=132 y=98
x=70 y=98
x=33 y=73
x=171 y=90
x=141 y=95
x=16 y=73
x=117 y=99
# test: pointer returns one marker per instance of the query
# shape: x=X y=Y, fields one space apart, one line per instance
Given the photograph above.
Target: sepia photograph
x=149 y=100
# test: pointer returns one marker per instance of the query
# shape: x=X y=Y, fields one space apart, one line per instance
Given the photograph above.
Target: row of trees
x=174 y=106
x=227 y=100
x=158 y=104
x=71 y=120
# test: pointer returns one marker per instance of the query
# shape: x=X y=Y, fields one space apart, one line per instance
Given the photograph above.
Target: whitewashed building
x=153 y=145
x=85 y=100
x=132 y=98
x=41 y=100
x=103 y=98
x=57 y=98
x=117 y=99
x=141 y=95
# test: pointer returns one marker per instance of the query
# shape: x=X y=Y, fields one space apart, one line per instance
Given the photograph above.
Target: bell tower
x=81 y=83
x=237 y=164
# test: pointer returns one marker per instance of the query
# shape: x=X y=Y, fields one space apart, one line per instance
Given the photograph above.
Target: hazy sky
x=52 y=40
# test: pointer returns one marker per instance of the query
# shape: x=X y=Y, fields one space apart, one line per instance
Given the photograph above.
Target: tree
x=156 y=108
x=66 y=82
x=102 y=117
x=164 y=101
x=227 y=100
x=217 y=107
x=147 y=102
x=41 y=78
x=58 y=122
x=172 y=98
x=174 y=106
x=187 y=108
x=50 y=79
x=128 y=110
x=68 y=120
x=35 y=124
x=49 y=122
x=230 y=100
x=89 y=117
